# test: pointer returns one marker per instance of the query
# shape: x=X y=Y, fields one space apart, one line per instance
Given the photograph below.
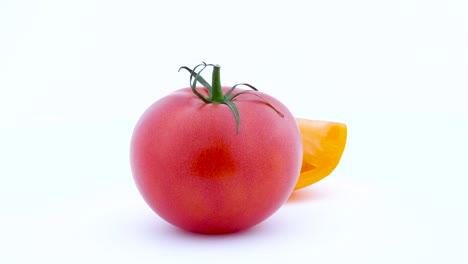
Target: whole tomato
x=216 y=159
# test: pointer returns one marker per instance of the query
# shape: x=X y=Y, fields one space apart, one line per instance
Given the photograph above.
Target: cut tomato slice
x=323 y=144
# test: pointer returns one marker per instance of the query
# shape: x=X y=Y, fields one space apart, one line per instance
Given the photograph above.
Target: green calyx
x=215 y=93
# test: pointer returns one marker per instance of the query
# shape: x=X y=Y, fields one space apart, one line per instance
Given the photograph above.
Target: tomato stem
x=217 y=95
x=215 y=92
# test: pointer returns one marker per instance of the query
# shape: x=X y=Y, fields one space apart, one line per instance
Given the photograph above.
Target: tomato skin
x=197 y=173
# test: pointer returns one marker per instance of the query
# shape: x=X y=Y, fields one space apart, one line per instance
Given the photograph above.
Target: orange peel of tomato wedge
x=323 y=144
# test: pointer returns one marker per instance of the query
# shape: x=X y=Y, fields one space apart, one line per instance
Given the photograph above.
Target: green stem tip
x=215 y=92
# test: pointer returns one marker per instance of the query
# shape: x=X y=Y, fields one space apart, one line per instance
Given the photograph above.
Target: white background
x=76 y=75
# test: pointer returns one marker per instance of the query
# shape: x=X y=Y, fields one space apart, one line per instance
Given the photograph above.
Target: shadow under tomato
x=157 y=229
x=262 y=228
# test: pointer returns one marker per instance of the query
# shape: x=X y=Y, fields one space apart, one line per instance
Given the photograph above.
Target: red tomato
x=201 y=171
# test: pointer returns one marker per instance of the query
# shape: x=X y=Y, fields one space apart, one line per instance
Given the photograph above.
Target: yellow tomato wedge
x=323 y=144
